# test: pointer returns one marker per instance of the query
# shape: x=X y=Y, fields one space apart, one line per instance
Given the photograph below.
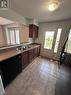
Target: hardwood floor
x=42 y=77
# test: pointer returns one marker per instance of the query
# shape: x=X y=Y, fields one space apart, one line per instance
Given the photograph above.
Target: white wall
x=53 y=26
x=33 y=21
x=12 y=15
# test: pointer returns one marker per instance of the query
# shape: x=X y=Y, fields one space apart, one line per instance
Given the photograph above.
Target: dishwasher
x=10 y=68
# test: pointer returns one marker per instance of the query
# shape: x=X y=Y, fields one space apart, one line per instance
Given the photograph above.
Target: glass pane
x=8 y=37
x=17 y=36
x=57 y=40
x=12 y=37
x=49 y=40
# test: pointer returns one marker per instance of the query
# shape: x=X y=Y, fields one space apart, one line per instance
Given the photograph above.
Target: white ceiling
x=37 y=9
x=4 y=21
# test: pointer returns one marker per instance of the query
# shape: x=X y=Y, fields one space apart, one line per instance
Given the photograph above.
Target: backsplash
x=31 y=40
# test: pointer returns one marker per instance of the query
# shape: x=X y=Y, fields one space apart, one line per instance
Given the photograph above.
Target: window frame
x=8 y=35
x=69 y=36
x=52 y=40
x=56 y=38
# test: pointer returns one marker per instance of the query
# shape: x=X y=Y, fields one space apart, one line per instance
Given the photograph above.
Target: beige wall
x=53 y=26
x=24 y=33
x=2 y=37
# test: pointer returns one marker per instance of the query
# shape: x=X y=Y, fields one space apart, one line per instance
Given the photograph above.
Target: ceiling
x=37 y=9
x=4 y=21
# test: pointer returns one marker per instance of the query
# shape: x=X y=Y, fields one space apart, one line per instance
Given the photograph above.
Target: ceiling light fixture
x=53 y=5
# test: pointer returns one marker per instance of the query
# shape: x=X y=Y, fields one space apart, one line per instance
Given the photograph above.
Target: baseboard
x=49 y=58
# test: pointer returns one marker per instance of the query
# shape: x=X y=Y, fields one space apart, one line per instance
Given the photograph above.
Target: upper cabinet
x=33 y=31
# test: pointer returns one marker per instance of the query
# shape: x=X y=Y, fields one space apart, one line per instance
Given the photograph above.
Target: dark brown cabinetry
x=33 y=31
x=35 y=52
x=11 y=67
x=29 y=55
x=38 y=50
x=25 y=59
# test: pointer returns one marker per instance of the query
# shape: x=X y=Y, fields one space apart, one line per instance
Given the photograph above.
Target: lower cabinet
x=34 y=52
x=29 y=55
x=11 y=67
x=25 y=59
x=38 y=50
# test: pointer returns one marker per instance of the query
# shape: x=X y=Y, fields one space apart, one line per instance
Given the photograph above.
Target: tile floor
x=41 y=77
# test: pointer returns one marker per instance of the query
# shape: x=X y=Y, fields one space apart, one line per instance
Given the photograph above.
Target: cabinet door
x=30 y=55
x=38 y=51
x=33 y=31
x=30 y=30
x=35 y=52
x=25 y=59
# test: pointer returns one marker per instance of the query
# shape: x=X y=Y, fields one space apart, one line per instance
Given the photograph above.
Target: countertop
x=10 y=53
x=13 y=46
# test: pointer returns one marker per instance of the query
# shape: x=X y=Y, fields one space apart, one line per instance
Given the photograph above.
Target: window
x=69 y=43
x=49 y=35
x=57 y=40
x=13 y=36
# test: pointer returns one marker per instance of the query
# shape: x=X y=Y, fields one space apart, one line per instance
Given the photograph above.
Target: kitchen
x=16 y=52
x=35 y=47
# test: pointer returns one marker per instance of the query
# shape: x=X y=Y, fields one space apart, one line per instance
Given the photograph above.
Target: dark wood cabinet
x=30 y=55
x=38 y=50
x=35 y=52
x=11 y=67
x=25 y=59
x=33 y=31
